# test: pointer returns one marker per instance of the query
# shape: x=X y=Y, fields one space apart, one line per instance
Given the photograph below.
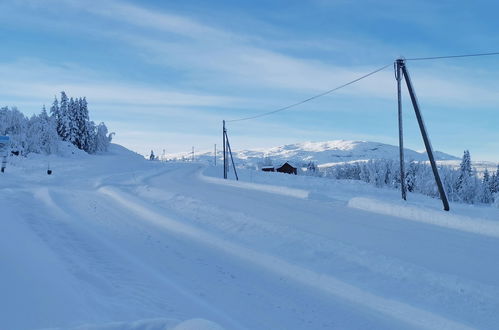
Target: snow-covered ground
x=117 y=242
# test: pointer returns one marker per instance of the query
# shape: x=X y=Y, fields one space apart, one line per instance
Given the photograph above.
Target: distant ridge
x=328 y=153
x=336 y=151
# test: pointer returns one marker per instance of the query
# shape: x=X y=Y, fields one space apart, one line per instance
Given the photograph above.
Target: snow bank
x=426 y=215
x=151 y=324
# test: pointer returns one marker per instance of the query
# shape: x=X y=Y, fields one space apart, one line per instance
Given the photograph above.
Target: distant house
x=287 y=168
x=268 y=168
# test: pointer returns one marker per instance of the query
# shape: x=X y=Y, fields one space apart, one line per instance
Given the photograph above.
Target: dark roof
x=286 y=164
x=287 y=168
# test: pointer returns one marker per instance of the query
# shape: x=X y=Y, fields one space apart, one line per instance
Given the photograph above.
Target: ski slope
x=117 y=242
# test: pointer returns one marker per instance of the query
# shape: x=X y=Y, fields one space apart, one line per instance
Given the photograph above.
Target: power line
x=450 y=56
x=356 y=80
x=311 y=98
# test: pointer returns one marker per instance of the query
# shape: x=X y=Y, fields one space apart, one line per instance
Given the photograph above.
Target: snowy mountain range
x=327 y=153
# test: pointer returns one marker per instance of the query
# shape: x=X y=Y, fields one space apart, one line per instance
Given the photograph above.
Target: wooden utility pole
x=426 y=139
x=224 y=151
x=227 y=150
x=398 y=76
x=231 y=158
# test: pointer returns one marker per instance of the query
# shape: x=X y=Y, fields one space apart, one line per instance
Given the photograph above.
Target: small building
x=287 y=168
x=268 y=168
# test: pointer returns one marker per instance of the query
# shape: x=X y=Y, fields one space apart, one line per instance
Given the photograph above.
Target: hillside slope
x=329 y=152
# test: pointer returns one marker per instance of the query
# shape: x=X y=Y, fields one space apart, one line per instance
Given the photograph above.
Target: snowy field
x=117 y=242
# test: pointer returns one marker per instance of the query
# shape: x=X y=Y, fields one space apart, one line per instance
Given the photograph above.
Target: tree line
x=41 y=133
x=461 y=185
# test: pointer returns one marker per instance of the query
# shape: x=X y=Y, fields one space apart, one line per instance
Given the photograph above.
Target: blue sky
x=163 y=74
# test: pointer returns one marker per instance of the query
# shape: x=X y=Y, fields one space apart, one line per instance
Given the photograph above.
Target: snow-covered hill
x=336 y=152
x=327 y=153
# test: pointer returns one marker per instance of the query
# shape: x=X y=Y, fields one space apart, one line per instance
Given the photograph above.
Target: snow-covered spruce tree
x=63 y=125
x=495 y=181
x=82 y=120
x=73 y=125
x=102 y=139
x=364 y=172
x=484 y=194
x=92 y=133
x=14 y=123
x=449 y=178
x=34 y=135
x=41 y=136
x=73 y=136
x=466 y=185
x=419 y=178
x=50 y=138
x=464 y=169
x=410 y=176
x=55 y=113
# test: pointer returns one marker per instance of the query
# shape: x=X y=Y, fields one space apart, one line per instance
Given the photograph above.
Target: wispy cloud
x=32 y=79
x=211 y=56
x=215 y=71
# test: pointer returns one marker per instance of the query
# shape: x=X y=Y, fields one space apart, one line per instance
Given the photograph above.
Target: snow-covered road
x=163 y=241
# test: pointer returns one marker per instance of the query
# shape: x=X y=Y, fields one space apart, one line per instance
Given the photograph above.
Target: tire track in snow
x=60 y=233
x=467 y=294
x=431 y=288
x=403 y=312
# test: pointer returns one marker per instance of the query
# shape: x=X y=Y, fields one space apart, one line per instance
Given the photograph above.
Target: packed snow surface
x=113 y=241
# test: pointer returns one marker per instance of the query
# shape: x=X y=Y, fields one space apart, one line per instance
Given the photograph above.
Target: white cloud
x=222 y=63
x=31 y=79
x=218 y=58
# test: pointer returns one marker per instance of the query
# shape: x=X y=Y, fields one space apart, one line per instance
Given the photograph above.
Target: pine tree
x=486 y=176
x=63 y=126
x=495 y=181
x=464 y=169
x=83 y=124
x=485 y=192
x=467 y=184
x=92 y=137
x=55 y=113
x=364 y=172
x=73 y=110
x=410 y=177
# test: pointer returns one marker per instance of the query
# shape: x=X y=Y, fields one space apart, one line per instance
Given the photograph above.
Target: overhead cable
x=310 y=98
x=449 y=56
x=356 y=80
